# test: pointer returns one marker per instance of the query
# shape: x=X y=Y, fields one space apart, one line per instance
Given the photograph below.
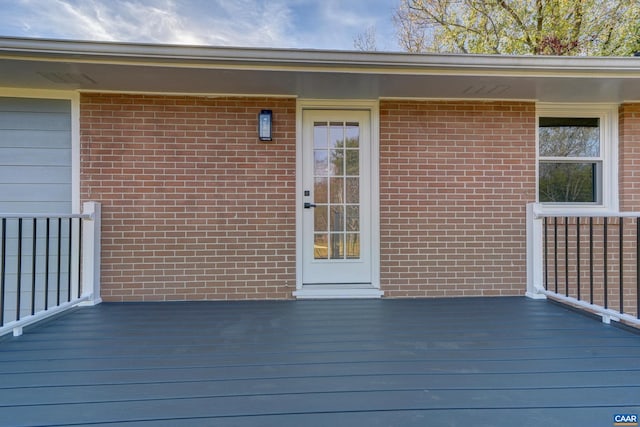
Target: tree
x=366 y=41
x=520 y=27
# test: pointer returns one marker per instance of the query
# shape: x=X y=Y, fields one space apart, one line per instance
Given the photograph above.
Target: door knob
x=308 y=205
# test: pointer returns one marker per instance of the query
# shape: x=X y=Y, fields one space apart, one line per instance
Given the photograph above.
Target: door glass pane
x=353 y=245
x=336 y=190
x=321 y=162
x=353 y=190
x=320 y=219
x=352 y=162
x=337 y=245
x=320 y=135
x=336 y=135
x=321 y=190
x=337 y=218
x=353 y=218
x=352 y=135
x=337 y=162
x=321 y=246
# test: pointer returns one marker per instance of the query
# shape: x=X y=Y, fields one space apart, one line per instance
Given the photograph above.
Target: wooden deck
x=443 y=362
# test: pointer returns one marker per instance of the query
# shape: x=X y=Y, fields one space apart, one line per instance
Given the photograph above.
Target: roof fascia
x=182 y=56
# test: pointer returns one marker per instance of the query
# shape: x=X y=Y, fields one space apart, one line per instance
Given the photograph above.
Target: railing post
x=91 y=253
x=534 y=254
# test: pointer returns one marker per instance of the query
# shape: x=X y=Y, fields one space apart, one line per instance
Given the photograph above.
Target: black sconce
x=264 y=125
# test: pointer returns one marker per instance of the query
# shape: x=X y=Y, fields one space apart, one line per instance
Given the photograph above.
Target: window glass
x=568 y=182
x=569 y=137
x=570 y=162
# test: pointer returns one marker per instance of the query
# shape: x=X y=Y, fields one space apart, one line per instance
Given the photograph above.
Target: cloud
x=220 y=22
x=111 y=20
x=335 y=24
x=324 y=24
x=246 y=23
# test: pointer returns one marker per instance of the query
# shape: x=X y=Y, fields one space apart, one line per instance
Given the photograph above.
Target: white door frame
x=340 y=291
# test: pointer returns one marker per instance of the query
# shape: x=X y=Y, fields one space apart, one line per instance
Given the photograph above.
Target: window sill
x=569 y=209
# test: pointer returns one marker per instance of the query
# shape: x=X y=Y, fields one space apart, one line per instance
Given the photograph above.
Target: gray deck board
x=486 y=361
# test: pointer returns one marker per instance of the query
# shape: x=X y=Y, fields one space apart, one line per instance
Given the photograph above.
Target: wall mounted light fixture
x=264 y=125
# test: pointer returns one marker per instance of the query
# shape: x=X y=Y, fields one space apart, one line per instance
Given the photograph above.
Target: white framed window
x=577 y=148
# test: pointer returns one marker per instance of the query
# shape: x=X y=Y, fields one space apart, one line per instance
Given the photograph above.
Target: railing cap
x=550 y=211
x=42 y=215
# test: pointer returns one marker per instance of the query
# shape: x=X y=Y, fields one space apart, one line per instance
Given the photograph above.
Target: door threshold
x=339 y=291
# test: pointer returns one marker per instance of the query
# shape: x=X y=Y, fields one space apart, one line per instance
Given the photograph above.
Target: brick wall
x=455 y=179
x=629 y=188
x=194 y=206
x=629 y=155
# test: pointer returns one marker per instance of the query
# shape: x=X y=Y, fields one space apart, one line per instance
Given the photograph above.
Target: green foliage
x=567 y=182
x=520 y=27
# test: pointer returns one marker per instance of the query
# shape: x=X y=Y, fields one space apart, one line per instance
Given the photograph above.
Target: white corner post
x=91 y=253
x=535 y=254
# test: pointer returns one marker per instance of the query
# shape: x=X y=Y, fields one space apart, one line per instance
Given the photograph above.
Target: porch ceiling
x=92 y=66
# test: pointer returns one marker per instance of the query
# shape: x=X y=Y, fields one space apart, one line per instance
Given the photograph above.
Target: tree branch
x=577 y=26
x=516 y=18
x=485 y=13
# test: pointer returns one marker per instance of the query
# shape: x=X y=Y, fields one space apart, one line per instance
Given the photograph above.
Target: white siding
x=35 y=155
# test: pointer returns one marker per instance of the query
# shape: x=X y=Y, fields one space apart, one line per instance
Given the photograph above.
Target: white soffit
x=148 y=68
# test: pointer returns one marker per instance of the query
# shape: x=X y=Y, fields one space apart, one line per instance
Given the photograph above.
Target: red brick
x=169 y=197
x=455 y=178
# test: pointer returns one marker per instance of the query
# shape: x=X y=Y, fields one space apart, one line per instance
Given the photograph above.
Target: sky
x=305 y=24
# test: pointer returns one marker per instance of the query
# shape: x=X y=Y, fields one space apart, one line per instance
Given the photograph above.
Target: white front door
x=337 y=248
